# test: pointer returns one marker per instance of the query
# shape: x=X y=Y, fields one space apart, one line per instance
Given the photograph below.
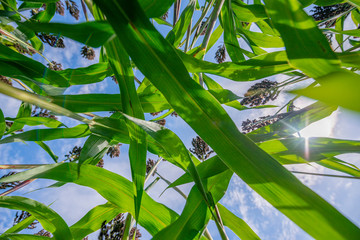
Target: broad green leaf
x=2 y=124
x=46 y=15
x=302 y=150
x=306 y=47
x=47 y=217
x=230 y=38
x=12 y=236
x=332 y=91
x=262 y=39
x=330 y=2
x=248 y=13
x=256 y=68
x=293 y=122
x=339 y=26
x=41 y=1
x=195 y=214
x=87 y=75
x=29 y=5
x=155 y=8
x=178 y=32
x=93 y=150
x=236 y=224
x=113 y=187
x=158 y=61
x=79 y=131
x=13 y=64
x=121 y=66
x=339 y=165
x=206 y=169
x=93 y=34
x=36 y=121
x=24 y=111
x=92 y=220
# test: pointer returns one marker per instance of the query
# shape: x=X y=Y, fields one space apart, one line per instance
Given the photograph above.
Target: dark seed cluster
x=174 y=114
x=88 y=53
x=155 y=113
x=74 y=154
x=73 y=9
x=55 y=66
x=251 y=125
x=114 y=79
x=5 y=185
x=39 y=112
x=22 y=216
x=149 y=165
x=205 y=26
x=5 y=80
x=324 y=12
x=165 y=16
x=114 y=230
x=200 y=148
x=60 y=8
x=43 y=233
x=114 y=151
x=161 y=122
x=260 y=93
x=23 y=49
x=220 y=54
x=52 y=40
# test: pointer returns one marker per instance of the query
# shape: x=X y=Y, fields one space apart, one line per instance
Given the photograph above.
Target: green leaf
x=331 y=91
x=195 y=215
x=22 y=237
x=121 y=66
x=29 y=5
x=230 y=39
x=113 y=187
x=158 y=61
x=93 y=150
x=236 y=224
x=36 y=121
x=15 y=65
x=47 y=217
x=92 y=220
x=79 y=131
x=46 y=15
x=339 y=165
x=48 y=150
x=306 y=47
x=24 y=111
x=293 y=122
x=302 y=150
x=256 y=68
x=20 y=226
x=87 y=75
x=155 y=8
x=177 y=33
x=248 y=13
x=93 y=34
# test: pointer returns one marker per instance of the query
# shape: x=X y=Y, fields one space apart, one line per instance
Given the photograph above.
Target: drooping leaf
x=47 y=217
x=79 y=131
x=113 y=187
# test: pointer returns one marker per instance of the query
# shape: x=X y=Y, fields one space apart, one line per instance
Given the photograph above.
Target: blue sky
x=72 y=201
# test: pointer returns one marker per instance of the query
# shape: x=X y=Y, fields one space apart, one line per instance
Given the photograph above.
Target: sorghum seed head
x=88 y=52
